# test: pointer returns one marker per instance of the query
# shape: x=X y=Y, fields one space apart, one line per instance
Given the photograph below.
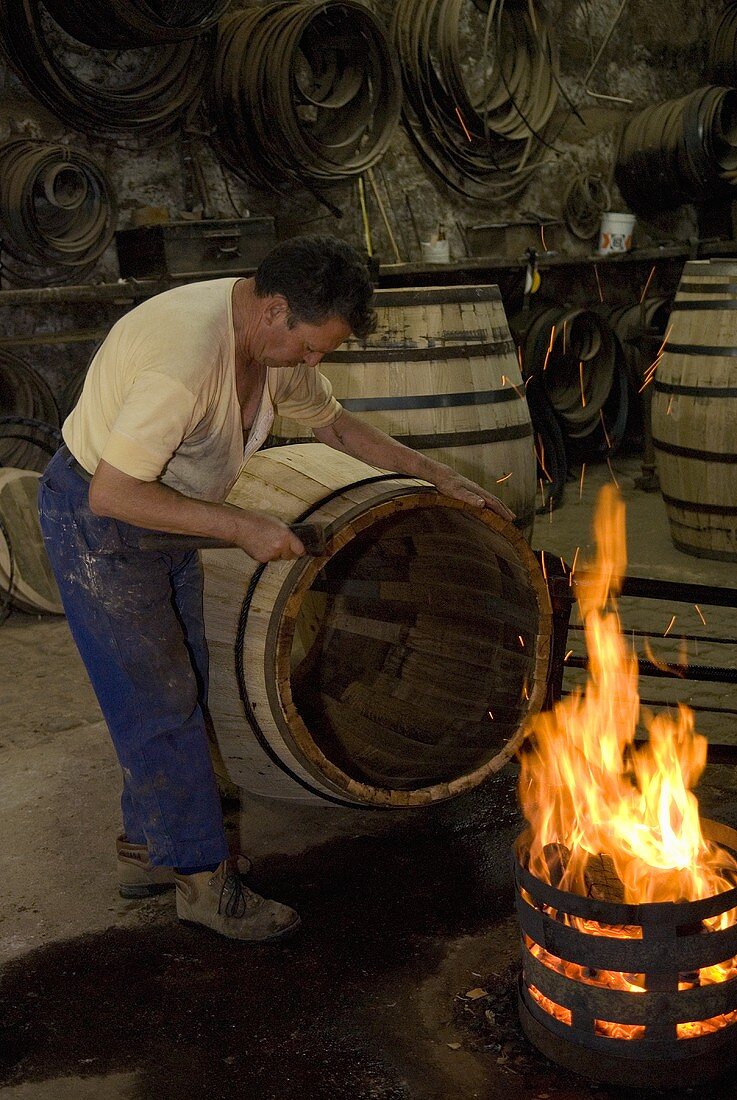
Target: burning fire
x=609 y=818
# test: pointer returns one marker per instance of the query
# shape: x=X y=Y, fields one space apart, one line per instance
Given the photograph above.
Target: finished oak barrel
x=694 y=412
x=441 y=375
x=395 y=671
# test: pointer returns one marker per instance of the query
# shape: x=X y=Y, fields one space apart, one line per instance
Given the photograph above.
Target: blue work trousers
x=136 y=617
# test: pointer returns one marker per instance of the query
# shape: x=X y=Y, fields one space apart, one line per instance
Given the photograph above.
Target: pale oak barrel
x=25 y=570
x=398 y=670
x=441 y=375
x=694 y=412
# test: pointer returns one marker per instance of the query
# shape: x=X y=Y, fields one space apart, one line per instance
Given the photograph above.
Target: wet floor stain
x=316 y=1017
x=329 y=1015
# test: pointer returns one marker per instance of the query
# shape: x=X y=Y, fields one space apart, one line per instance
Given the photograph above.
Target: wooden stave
x=483 y=441
x=281 y=587
x=21 y=519
x=699 y=488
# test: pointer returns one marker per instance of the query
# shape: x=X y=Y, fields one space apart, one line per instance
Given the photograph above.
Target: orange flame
x=589 y=792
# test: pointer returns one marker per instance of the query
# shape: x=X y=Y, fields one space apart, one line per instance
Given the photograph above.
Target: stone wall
x=657 y=51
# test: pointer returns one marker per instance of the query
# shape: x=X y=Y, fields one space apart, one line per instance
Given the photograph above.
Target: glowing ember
x=558 y=1011
x=595 y=799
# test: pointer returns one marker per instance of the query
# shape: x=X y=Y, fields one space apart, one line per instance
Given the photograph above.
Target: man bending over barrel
x=178 y=397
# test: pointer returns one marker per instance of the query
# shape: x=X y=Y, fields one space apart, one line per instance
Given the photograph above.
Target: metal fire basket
x=666 y=942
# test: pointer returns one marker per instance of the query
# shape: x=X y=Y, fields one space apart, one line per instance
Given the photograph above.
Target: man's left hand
x=462 y=488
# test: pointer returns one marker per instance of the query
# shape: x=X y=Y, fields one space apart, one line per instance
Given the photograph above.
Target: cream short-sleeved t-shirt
x=160 y=402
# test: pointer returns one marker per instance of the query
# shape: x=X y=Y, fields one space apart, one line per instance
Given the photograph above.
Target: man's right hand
x=265 y=538
x=160 y=508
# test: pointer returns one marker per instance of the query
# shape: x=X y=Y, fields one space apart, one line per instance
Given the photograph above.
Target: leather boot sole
x=283 y=934
x=132 y=892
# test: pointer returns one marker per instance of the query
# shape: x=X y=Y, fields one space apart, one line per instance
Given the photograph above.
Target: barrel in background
x=441 y=375
x=694 y=412
x=26 y=577
x=398 y=670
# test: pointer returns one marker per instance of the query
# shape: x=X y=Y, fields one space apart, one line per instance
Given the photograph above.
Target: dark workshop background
x=658 y=50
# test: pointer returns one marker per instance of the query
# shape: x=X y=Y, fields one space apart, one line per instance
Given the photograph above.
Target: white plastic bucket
x=615 y=234
x=436 y=252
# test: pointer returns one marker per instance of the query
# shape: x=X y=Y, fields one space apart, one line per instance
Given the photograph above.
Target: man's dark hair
x=320 y=277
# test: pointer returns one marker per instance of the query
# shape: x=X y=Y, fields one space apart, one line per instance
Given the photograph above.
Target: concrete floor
x=102 y=998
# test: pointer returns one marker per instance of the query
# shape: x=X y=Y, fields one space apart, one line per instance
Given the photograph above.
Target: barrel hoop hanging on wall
x=682 y=150
x=302 y=93
x=481 y=128
x=56 y=208
x=162 y=81
x=586 y=199
x=27 y=443
x=124 y=24
x=722 y=62
x=574 y=376
x=29 y=416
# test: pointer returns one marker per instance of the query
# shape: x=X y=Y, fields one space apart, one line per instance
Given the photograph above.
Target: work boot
x=137 y=877
x=221 y=901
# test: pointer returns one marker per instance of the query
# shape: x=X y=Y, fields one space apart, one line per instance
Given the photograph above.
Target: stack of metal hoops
x=682 y=150
x=123 y=24
x=480 y=90
x=160 y=79
x=56 y=207
x=303 y=92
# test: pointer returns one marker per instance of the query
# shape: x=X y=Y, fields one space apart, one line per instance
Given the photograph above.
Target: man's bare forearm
x=355 y=437
x=161 y=508
x=361 y=440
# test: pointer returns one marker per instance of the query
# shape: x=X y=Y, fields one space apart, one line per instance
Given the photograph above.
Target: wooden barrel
x=396 y=671
x=694 y=412
x=25 y=570
x=441 y=375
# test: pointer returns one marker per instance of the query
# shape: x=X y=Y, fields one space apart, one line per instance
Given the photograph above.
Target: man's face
x=303 y=343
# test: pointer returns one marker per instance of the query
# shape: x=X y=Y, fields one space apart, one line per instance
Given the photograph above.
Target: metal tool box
x=187 y=249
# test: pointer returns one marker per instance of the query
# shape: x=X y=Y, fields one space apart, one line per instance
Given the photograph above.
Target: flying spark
x=611 y=471
x=550 y=348
x=463 y=124
x=647 y=284
x=606 y=433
